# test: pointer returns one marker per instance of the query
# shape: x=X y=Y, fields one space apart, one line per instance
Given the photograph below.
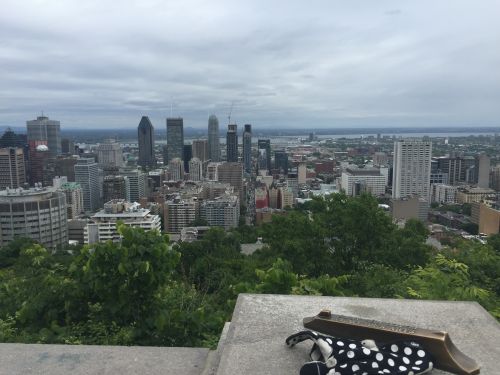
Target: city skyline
x=330 y=64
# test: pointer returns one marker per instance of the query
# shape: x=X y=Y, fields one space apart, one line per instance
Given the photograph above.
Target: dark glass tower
x=187 y=155
x=175 y=138
x=232 y=143
x=264 y=148
x=213 y=139
x=281 y=161
x=247 y=148
x=145 y=135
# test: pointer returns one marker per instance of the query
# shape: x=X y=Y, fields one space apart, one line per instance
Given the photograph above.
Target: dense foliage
x=144 y=291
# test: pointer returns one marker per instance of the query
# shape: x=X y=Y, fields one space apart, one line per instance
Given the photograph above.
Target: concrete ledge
x=31 y=359
x=255 y=342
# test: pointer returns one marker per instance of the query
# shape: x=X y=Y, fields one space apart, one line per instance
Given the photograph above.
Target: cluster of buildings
x=185 y=186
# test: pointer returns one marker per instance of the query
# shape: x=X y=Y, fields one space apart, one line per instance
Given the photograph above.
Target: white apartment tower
x=412 y=168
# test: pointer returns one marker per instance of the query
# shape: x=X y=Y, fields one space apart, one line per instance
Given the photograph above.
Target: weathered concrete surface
x=213 y=358
x=255 y=343
x=31 y=359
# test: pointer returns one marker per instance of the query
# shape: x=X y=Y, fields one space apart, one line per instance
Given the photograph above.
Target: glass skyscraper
x=213 y=139
x=145 y=135
x=247 y=148
x=232 y=143
x=175 y=138
x=43 y=129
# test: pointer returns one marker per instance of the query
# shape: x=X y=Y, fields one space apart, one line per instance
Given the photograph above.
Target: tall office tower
x=109 y=154
x=87 y=175
x=115 y=187
x=39 y=214
x=67 y=146
x=11 y=139
x=146 y=141
x=200 y=149
x=65 y=166
x=43 y=129
x=195 y=169
x=12 y=168
x=264 y=149
x=412 y=168
x=187 y=155
x=164 y=154
x=281 y=161
x=232 y=173
x=247 y=148
x=136 y=182
x=176 y=170
x=74 y=199
x=41 y=164
x=175 y=138
x=483 y=171
x=213 y=139
x=456 y=167
x=232 y=143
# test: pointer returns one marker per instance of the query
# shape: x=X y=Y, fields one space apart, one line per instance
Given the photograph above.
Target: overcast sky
x=103 y=63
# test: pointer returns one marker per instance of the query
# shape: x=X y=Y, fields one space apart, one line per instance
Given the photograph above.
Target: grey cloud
x=284 y=63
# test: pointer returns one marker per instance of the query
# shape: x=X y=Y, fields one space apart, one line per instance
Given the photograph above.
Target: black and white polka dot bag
x=331 y=356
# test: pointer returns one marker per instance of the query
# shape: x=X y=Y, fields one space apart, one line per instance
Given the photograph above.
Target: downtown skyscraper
x=247 y=148
x=232 y=143
x=44 y=129
x=213 y=139
x=146 y=141
x=175 y=138
x=412 y=168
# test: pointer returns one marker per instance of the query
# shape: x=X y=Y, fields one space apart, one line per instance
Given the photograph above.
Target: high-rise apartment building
x=247 y=148
x=44 y=129
x=200 y=149
x=213 y=139
x=87 y=175
x=264 y=149
x=195 y=169
x=412 y=168
x=175 y=138
x=110 y=153
x=12 y=168
x=176 y=170
x=146 y=142
x=232 y=173
x=179 y=214
x=74 y=198
x=39 y=214
x=232 y=143
x=222 y=212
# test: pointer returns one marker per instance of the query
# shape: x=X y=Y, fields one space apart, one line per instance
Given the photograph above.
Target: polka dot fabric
x=333 y=356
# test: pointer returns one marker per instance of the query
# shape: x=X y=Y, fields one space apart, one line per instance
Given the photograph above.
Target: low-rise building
x=441 y=193
x=103 y=225
x=410 y=208
x=358 y=180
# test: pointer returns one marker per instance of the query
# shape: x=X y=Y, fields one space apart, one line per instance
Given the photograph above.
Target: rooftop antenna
x=230 y=111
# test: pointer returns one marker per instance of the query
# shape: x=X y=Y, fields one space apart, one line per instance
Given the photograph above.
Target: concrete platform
x=30 y=359
x=255 y=342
